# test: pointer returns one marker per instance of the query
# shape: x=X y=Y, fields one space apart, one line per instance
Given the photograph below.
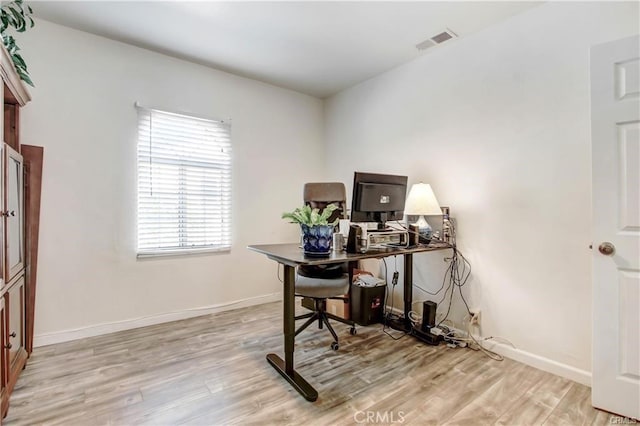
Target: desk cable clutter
x=426 y=327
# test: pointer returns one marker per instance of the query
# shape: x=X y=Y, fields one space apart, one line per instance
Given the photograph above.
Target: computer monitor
x=378 y=198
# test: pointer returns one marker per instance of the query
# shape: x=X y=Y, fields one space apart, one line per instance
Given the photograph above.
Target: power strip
x=427 y=337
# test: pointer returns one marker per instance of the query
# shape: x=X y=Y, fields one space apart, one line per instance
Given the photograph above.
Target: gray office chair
x=322 y=282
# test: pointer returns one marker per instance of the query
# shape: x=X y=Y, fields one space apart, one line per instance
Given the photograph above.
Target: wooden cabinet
x=14 y=350
x=20 y=183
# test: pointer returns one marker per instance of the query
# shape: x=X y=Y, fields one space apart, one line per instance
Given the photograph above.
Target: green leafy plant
x=16 y=15
x=307 y=216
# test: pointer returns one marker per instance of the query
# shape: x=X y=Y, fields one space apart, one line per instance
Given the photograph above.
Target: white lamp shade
x=422 y=201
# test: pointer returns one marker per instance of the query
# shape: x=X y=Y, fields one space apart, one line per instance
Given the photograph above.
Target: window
x=184 y=183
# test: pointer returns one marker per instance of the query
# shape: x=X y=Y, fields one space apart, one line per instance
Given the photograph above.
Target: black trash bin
x=367 y=304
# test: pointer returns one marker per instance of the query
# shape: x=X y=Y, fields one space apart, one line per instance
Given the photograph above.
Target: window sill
x=180 y=252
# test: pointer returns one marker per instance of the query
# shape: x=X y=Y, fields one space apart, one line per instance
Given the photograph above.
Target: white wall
x=83 y=114
x=498 y=123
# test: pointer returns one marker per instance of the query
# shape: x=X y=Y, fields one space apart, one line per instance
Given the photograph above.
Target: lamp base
x=425 y=231
x=424 y=239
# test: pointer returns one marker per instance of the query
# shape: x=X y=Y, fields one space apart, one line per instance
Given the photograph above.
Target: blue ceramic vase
x=317 y=239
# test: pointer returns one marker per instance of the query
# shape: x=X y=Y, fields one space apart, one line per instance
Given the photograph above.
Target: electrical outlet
x=475 y=317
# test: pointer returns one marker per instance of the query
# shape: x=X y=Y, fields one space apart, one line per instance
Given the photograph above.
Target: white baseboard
x=545 y=364
x=100 y=329
x=559 y=369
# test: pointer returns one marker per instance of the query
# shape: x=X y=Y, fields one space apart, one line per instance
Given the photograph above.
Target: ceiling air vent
x=439 y=38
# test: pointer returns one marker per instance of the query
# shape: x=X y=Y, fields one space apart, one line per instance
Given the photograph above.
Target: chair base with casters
x=320 y=290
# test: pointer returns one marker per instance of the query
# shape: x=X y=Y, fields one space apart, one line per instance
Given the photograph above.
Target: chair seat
x=322 y=287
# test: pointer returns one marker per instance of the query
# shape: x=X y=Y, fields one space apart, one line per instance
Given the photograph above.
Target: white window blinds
x=184 y=183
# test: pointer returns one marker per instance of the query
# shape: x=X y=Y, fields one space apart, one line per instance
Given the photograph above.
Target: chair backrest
x=320 y=194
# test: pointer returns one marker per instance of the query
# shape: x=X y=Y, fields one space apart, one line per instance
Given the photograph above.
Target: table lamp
x=422 y=201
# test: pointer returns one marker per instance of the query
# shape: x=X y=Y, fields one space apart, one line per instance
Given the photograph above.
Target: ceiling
x=318 y=48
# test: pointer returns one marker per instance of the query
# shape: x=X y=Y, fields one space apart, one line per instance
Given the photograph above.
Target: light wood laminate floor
x=212 y=370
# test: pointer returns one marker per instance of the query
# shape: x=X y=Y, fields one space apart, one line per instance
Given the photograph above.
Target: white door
x=615 y=121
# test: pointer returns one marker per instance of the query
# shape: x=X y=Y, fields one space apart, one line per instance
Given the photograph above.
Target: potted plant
x=317 y=231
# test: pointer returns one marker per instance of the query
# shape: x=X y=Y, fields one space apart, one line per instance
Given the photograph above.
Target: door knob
x=606 y=248
x=13 y=334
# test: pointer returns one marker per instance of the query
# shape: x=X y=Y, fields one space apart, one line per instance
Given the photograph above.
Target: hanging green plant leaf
x=17 y=59
x=25 y=77
x=14 y=15
x=18 y=20
x=4 y=22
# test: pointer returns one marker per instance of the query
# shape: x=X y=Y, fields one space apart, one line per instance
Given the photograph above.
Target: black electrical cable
x=448 y=309
x=458 y=273
x=387 y=314
x=444 y=279
x=393 y=289
x=465 y=262
x=386 y=294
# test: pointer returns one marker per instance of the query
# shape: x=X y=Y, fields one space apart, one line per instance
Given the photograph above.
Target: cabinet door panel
x=14 y=213
x=15 y=305
x=3 y=274
x=4 y=366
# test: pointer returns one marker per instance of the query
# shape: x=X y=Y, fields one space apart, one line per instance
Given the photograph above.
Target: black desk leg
x=408 y=289
x=285 y=368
